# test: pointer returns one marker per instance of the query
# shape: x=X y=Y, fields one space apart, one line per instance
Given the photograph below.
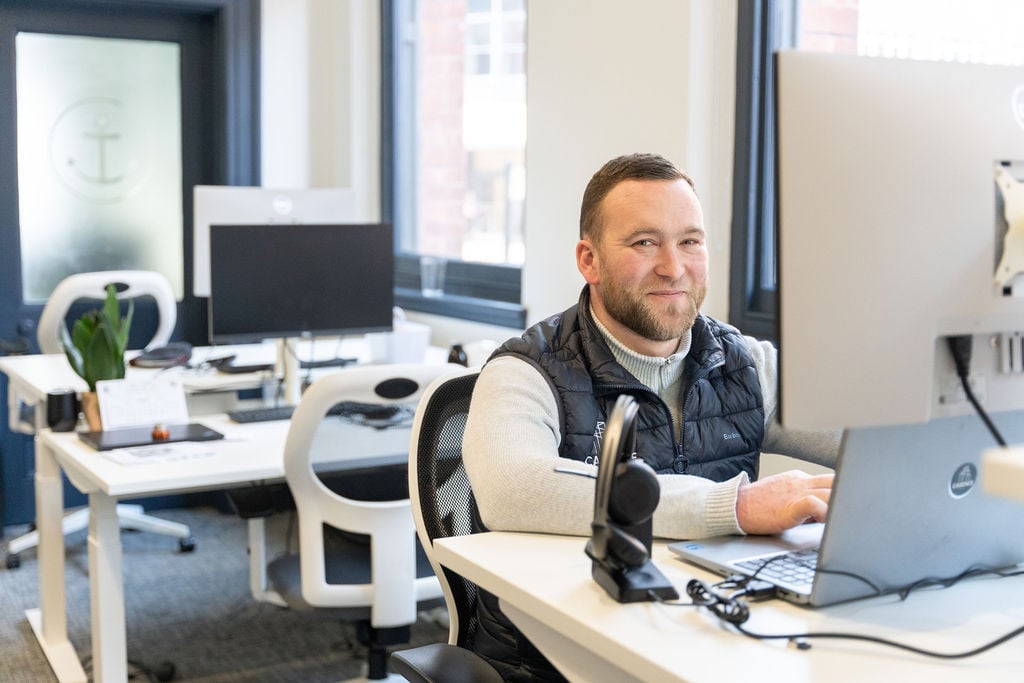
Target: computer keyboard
x=327 y=363
x=367 y=411
x=264 y=414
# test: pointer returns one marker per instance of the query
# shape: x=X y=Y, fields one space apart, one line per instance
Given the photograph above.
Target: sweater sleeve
x=510 y=448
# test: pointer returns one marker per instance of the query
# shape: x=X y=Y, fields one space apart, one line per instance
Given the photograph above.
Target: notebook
x=906 y=508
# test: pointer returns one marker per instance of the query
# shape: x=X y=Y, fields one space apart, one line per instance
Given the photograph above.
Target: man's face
x=648 y=268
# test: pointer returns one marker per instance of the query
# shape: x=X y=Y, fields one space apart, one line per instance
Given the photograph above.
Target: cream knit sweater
x=511 y=443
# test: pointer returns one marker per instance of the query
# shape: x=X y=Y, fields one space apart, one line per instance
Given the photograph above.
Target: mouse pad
x=143 y=436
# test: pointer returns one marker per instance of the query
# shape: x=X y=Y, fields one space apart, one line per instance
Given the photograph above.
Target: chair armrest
x=443 y=663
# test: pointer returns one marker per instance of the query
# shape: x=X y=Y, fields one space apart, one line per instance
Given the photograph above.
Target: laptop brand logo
x=1018 y=105
x=963 y=480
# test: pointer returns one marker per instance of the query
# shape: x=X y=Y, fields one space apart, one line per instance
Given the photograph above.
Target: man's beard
x=636 y=313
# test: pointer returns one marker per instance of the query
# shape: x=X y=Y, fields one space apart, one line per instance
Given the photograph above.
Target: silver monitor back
x=238 y=205
x=890 y=228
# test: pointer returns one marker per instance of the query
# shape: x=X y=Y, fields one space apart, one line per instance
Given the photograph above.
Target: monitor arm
x=1012 y=263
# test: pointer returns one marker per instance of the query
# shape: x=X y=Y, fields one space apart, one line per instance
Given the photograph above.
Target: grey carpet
x=191 y=609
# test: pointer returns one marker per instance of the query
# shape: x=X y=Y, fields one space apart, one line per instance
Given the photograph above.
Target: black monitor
x=276 y=281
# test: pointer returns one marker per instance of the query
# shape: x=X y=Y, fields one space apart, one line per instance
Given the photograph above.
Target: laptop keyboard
x=795 y=568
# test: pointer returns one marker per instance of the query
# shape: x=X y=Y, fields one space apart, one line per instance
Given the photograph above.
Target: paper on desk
x=160 y=453
x=141 y=402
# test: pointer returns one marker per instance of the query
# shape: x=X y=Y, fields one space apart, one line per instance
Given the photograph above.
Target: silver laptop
x=906 y=509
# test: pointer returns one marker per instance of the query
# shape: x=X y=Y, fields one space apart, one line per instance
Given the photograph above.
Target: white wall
x=603 y=78
x=606 y=78
x=320 y=96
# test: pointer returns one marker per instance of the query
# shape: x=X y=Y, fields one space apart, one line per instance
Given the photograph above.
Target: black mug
x=62 y=410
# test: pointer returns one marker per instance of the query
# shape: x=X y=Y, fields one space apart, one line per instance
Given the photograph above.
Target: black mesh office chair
x=443 y=505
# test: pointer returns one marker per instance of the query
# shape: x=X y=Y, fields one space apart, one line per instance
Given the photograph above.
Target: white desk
x=31 y=377
x=249 y=453
x=544 y=585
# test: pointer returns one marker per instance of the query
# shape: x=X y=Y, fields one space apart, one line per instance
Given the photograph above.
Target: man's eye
x=644 y=243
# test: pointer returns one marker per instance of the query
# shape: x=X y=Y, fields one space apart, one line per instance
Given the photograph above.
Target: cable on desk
x=726 y=607
x=735 y=611
x=970 y=572
x=799 y=638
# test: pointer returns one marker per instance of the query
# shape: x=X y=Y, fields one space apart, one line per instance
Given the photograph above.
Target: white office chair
x=132 y=284
x=373 y=573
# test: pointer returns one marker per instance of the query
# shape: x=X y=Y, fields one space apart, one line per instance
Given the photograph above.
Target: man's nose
x=670 y=263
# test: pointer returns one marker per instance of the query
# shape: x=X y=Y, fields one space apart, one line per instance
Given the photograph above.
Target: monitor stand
x=291 y=368
x=288 y=361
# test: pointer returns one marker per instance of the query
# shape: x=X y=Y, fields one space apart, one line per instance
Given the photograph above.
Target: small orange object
x=160 y=432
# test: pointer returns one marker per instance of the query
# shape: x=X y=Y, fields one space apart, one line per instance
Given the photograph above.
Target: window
x=981 y=31
x=454 y=162
x=99 y=158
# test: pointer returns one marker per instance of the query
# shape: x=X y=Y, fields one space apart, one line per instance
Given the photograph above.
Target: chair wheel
x=13 y=560
x=187 y=545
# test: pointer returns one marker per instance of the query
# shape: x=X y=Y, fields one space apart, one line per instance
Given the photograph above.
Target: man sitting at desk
x=707 y=394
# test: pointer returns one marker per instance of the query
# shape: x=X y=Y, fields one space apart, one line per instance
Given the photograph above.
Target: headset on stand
x=625 y=497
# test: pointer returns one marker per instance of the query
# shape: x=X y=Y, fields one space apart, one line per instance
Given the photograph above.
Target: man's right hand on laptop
x=781 y=501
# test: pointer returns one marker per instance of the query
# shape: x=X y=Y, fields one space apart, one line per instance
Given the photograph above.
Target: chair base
x=129 y=516
x=377 y=641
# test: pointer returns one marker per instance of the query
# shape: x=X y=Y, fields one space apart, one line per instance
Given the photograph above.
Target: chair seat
x=443 y=662
x=347 y=562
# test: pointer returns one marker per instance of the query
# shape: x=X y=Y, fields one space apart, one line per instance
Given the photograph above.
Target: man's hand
x=782 y=501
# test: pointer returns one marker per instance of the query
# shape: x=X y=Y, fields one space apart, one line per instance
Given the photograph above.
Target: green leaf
x=100 y=363
x=97 y=342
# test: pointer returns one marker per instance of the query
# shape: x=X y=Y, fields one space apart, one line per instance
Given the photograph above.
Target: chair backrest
x=395 y=589
x=440 y=491
x=130 y=283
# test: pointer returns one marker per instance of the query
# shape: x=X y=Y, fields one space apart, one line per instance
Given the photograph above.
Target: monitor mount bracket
x=1011 y=265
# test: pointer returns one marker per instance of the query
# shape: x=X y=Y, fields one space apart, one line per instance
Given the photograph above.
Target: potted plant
x=95 y=348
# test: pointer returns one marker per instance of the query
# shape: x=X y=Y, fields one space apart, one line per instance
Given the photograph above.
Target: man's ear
x=587 y=262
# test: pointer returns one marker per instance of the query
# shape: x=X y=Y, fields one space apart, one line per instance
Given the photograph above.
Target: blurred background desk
x=248 y=453
x=545 y=587
x=31 y=377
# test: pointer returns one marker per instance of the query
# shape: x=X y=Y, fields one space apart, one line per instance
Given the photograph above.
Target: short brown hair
x=627 y=167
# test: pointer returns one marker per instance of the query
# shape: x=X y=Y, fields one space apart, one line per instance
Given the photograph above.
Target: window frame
x=479 y=292
x=762 y=27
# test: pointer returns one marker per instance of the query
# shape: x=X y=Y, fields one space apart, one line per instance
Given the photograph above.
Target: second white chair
x=131 y=284
x=373 y=572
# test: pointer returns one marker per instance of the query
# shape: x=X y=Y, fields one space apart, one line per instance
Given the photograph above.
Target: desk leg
x=106 y=585
x=49 y=622
x=258 y=564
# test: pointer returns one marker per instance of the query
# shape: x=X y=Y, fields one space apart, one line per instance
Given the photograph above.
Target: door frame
x=230 y=49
